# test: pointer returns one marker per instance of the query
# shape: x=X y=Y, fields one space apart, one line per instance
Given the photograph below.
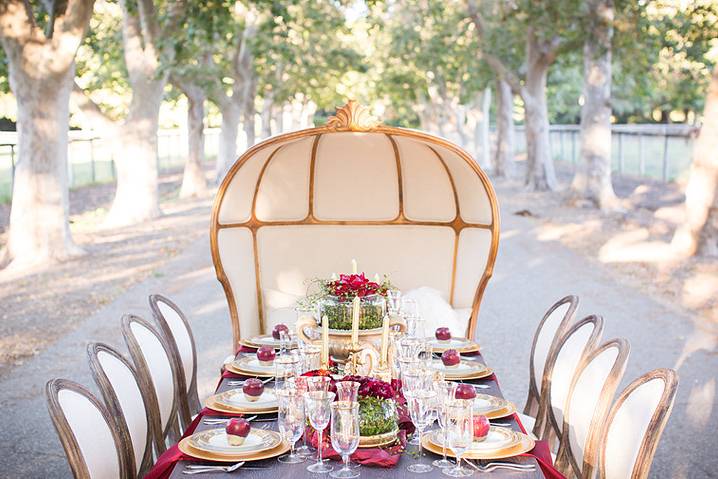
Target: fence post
x=92 y=159
x=573 y=147
x=641 y=157
x=664 y=173
x=560 y=139
x=620 y=153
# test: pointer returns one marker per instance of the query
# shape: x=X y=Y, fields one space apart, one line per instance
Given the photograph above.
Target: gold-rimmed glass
x=345 y=435
x=291 y=421
x=460 y=433
x=317 y=407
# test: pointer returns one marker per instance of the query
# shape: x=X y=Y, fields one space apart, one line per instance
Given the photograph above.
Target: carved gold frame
x=353 y=118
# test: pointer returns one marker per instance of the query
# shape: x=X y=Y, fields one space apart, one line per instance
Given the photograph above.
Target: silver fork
x=199 y=469
x=218 y=421
x=510 y=466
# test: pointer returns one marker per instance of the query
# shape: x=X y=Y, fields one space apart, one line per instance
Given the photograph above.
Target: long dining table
x=173 y=463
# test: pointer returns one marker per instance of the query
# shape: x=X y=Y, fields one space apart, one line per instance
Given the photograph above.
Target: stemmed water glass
x=413 y=380
x=318 y=383
x=347 y=391
x=345 y=435
x=460 y=433
x=291 y=421
x=393 y=301
x=317 y=404
x=445 y=391
x=311 y=357
x=286 y=366
x=422 y=410
x=300 y=384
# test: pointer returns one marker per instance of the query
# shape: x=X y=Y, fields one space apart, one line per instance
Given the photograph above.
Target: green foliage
x=376 y=416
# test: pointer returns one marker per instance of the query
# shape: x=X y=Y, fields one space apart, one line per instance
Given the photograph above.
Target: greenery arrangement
x=334 y=299
x=377 y=406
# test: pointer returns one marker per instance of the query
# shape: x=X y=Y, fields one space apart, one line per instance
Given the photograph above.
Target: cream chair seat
x=302 y=205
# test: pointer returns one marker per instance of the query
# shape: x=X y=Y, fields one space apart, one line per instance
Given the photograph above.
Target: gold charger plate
x=186 y=448
x=497 y=407
x=213 y=403
x=462 y=345
x=467 y=369
x=266 y=340
x=521 y=445
x=246 y=365
x=378 y=440
x=216 y=442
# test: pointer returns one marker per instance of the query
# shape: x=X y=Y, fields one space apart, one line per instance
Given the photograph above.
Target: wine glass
x=347 y=391
x=460 y=433
x=409 y=308
x=393 y=301
x=286 y=366
x=290 y=419
x=422 y=410
x=445 y=391
x=318 y=383
x=317 y=404
x=311 y=357
x=345 y=435
x=300 y=384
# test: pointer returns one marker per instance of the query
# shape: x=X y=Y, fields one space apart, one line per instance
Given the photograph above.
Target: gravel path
x=530 y=274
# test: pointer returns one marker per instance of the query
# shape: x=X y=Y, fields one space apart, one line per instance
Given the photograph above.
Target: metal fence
x=656 y=151
x=661 y=152
x=90 y=159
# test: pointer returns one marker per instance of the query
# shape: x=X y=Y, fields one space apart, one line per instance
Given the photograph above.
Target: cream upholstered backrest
x=128 y=394
x=589 y=399
x=579 y=340
x=86 y=431
x=182 y=338
x=159 y=366
x=554 y=323
x=302 y=205
x=635 y=424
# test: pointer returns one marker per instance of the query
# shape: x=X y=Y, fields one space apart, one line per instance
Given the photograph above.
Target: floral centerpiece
x=333 y=297
x=377 y=406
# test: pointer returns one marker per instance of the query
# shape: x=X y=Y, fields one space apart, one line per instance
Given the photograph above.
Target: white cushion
x=92 y=433
x=436 y=311
x=545 y=338
x=182 y=338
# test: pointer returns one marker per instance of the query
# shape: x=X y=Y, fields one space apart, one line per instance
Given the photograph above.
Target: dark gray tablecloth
x=272 y=468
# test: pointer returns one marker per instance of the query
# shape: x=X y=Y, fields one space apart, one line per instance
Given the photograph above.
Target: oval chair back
x=552 y=327
x=590 y=395
x=580 y=339
x=173 y=324
x=123 y=392
x=87 y=432
x=153 y=363
x=635 y=425
x=301 y=205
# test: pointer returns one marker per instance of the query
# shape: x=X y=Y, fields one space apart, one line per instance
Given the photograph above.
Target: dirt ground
x=633 y=241
x=40 y=306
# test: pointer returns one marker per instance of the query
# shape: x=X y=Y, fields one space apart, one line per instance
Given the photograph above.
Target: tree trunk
x=540 y=173
x=39 y=230
x=137 y=195
x=593 y=178
x=699 y=233
x=504 y=155
x=267 y=116
x=249 y=111
x=482 y=133
x=227 y=152
x=194 y=182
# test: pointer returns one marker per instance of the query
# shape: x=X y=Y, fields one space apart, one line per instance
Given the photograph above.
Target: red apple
x=451 y=358
x=481 y=427
x=266 y=355
x=252 y=389
x=277 y=331
x=237 y=431
x=465 y=391
x=443 y=334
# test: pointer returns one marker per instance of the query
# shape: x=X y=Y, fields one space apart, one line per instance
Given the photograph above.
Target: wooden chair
x=301 y=205
x=94 y=447
x=552 y=327
x=580 y=339
x=635 y=424
x=589 y=399
x=153 y=364
x=124 y=392
x=174 y=326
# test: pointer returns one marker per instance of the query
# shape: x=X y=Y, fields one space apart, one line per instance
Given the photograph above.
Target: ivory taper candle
x=325 y=343
x=385 y=342
x=356 y=305
x=354 y=266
